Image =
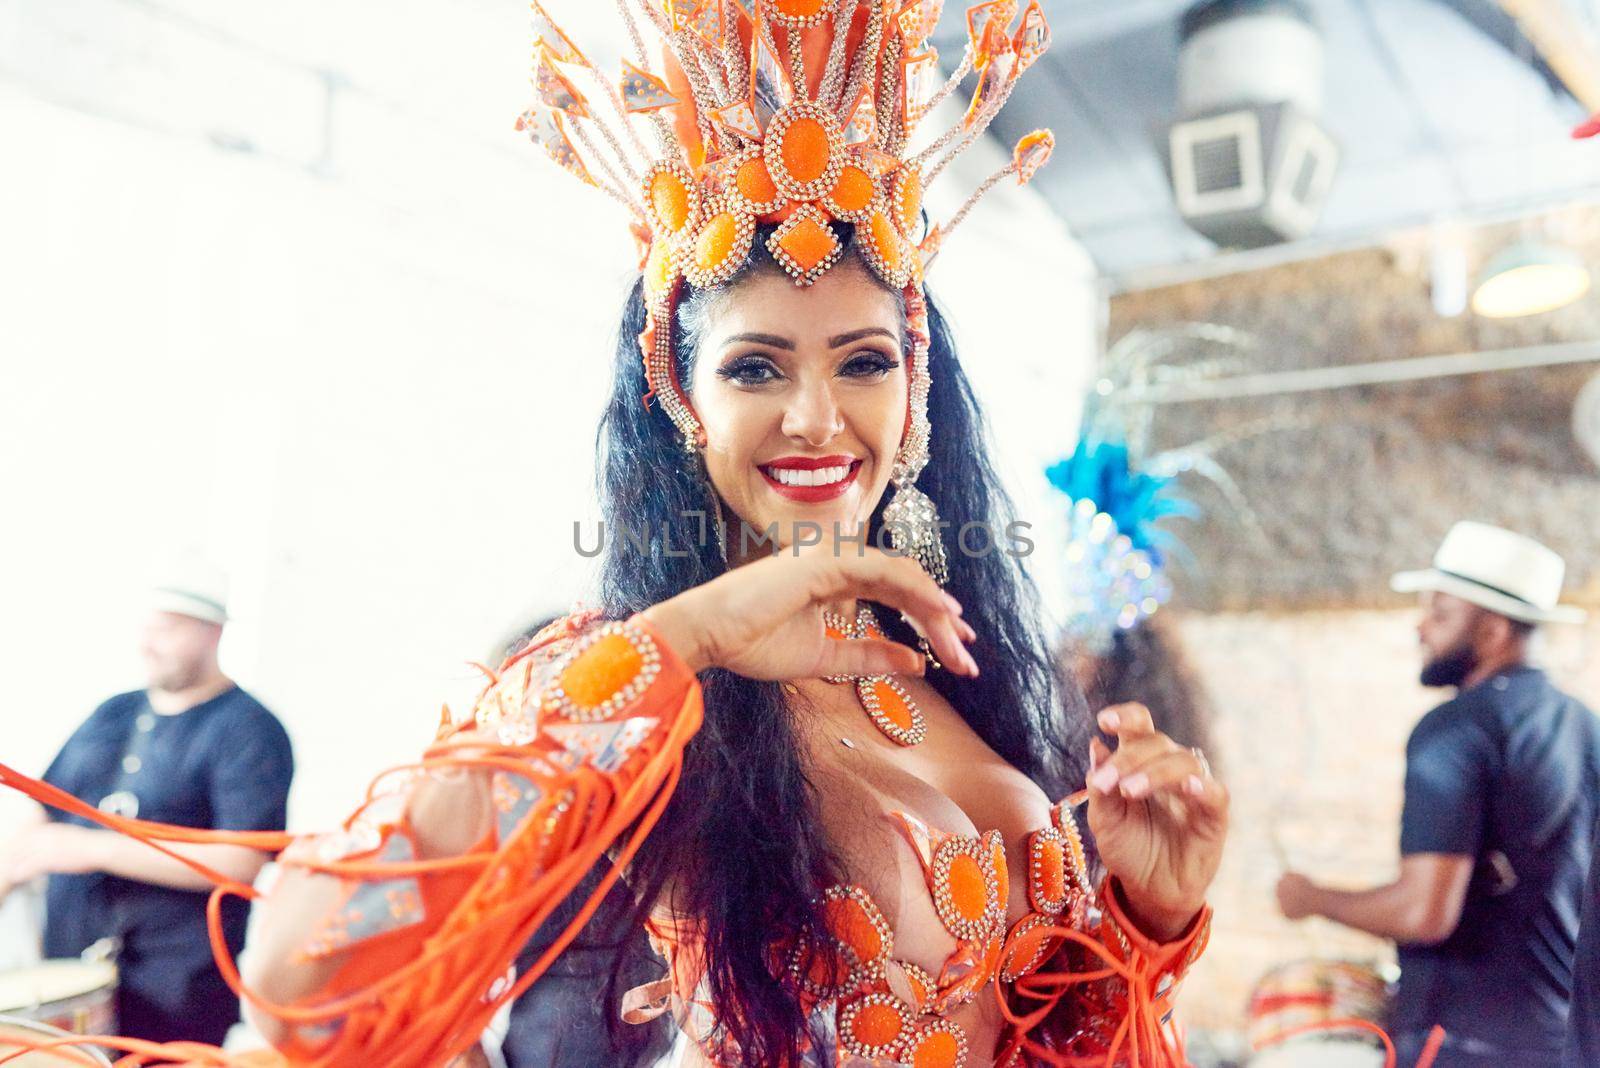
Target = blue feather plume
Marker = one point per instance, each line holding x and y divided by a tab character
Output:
1102	471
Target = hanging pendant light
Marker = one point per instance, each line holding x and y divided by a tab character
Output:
1529	278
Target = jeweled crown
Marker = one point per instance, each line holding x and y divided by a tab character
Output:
797	114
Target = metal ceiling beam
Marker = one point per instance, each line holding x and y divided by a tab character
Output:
1566	44
1343	376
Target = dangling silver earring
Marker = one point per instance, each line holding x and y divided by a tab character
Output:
911	517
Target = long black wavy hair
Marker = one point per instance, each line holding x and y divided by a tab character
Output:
740	846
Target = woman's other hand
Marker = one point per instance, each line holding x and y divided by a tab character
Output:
1159	819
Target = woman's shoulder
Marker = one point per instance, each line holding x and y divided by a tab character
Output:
554	639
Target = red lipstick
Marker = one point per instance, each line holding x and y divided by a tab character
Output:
809	494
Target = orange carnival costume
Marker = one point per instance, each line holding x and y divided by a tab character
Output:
797	114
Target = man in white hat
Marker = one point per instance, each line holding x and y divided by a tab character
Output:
192	748
1502	784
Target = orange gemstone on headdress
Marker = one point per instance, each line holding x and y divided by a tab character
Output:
604	668
808	243
1031	153
853	191
805	149
670	199
715	241
754	183
658	271
886	241
905	198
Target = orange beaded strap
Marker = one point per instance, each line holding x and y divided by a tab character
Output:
883	698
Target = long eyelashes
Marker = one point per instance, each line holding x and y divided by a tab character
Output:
869	366
753	371
748	371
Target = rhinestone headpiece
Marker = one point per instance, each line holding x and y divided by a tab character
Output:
794	113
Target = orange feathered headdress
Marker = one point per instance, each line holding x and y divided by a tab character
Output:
796	113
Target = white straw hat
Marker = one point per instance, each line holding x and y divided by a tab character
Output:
192	586
1506	572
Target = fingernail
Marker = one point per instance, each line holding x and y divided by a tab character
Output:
1110	721
955	605
1136	785
1194	785
1104	778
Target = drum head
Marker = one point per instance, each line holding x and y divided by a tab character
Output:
23	990
18	1034
1310	1052
1307	993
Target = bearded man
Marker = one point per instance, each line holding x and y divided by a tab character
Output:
1501	792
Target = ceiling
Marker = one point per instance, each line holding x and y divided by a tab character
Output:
1441	108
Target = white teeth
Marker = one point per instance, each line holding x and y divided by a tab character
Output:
822	476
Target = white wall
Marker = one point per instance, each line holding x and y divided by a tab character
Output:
351	342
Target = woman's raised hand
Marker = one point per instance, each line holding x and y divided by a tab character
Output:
1159	819
763	620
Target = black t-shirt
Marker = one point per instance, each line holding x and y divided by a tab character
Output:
224	764
1583	1023
1508	773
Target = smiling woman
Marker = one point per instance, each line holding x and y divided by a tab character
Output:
844	849
802	392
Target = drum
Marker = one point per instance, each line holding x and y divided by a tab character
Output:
73	995
18	1034
1309	992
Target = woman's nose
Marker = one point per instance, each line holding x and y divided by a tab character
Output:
814	415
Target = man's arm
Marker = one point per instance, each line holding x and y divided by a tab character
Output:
65	848
1422	907
10	875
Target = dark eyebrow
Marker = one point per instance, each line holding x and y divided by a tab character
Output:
839	340
771	340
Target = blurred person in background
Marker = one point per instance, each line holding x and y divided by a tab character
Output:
1148	665
1502	784
193	749
559	1022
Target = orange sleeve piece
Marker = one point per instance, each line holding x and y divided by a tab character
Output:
1105	999
578	742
